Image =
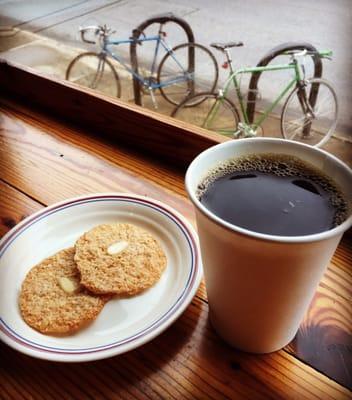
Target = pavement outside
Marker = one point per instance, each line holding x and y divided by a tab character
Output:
43	35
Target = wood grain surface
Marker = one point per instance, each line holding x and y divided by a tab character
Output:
15	206
43	161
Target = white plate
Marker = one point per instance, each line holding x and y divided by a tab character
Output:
123	324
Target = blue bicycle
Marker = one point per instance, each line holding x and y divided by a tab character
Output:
183	71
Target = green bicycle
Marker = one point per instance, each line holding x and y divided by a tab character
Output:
306	118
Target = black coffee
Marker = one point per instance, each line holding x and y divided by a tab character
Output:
273	194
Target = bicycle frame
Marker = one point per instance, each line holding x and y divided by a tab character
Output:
159	42
233	80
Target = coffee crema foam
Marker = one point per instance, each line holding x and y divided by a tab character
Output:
280	165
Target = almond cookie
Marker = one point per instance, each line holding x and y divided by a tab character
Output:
52	300
119	258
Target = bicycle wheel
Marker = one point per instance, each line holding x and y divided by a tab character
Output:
218	114
177	77
93	70
313	126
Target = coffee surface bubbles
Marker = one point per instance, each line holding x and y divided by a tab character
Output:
273	194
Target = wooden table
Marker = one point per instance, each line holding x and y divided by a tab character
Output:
44	160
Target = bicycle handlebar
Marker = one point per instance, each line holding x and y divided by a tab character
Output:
325	54
84	30
98	30
104	31
301	53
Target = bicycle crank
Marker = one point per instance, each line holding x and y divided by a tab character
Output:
246	131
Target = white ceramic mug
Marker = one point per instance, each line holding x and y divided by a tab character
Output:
259	286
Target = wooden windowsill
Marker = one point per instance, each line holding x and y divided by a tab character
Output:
131	125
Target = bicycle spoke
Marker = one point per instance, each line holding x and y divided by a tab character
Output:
91	70
322	105
210	115
174	70
78	78
226	132
217	115
299	129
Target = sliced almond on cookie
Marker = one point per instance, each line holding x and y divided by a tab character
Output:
68	285
117	247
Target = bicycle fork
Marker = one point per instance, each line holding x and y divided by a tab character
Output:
100	71
307	109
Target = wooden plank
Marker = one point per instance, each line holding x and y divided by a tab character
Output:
15	206
324	339
14	115
134	126
26	148
33	154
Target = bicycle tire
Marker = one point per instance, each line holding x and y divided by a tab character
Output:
80	71
225	121
322	126
169	69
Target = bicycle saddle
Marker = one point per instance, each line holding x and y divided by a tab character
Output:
224	46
